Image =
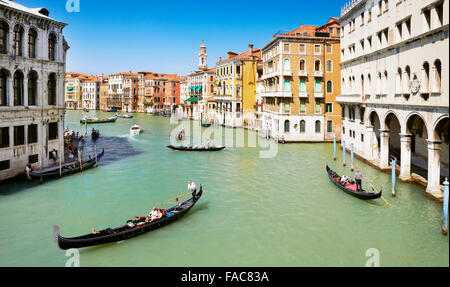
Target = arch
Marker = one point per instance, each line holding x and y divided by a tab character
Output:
329	66
438	73
51	89
18	39
32	88
287	126
411	119
4	32
302	65
18	88
329	87
287	64
318	127
390	115
317	65
4	75
373	119
52	40
32	42
302	126
441	128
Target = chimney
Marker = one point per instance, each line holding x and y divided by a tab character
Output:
301	25
250	50
229	54
220	59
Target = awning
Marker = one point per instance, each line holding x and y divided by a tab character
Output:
69	88
199	88
192	100
191	88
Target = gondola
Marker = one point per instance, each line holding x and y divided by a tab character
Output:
206	125
350	188
66	169
124	116
95	134
132	229
183	148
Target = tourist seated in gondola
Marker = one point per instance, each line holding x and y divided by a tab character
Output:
344	179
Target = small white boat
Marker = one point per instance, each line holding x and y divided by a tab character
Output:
136	129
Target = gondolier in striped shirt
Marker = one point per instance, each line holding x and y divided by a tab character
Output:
358	179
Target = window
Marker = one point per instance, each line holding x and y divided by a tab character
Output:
53	131
51	85
302	106
52	47
318	107
362	137
302	85
4	29
4	165
32	89
329	66
33	159
329	107
18	88
317	65
369	41
286	126
437	71
369	16
316	49
287	85
3	92
286	48
439	13
32	36
4	137
302	126
302	49
318	86
19	135
386	5
362	18
18	40
329	87
329	126
32	134
318	128
329	48
287	65
425	87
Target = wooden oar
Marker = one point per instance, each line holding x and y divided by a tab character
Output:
374	189
175	198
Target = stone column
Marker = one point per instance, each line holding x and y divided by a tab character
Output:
25	91
384	149
405	157
368	146
434	166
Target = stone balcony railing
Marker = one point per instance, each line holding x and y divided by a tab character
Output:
277	94
303	94
303	73
271	75
318	74
318	95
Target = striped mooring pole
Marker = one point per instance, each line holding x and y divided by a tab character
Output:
445	225
393	177
334	141
351	155
344	150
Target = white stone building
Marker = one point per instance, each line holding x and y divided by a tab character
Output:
32	73
395	89
91	94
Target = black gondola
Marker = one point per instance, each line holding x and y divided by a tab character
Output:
66	169
351	188
124	232
95	134
184	148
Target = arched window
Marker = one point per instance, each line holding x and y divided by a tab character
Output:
32	88
329	87
52	47
287	125
4	29
437	76
18	88
317	65
406	81
302	65
384	83
287	64
302	126
329	66
3	91
51	86
318	128
398	82
32	38
18	40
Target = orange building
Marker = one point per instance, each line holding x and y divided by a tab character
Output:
301	78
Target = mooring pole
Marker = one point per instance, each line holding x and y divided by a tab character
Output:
60	165
96	159
40	165
445	226
80	156
343	149
351	154
334	142
393	177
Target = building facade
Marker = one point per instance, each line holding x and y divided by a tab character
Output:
32	73
301	78
395	97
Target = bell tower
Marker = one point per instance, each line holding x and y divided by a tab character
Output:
202	56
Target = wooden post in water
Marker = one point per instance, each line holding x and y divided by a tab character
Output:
351	155
445	225
344	150
393	177
85	127
60	165
40	165
95	153
80	156
334	141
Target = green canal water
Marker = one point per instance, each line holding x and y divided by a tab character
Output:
279	211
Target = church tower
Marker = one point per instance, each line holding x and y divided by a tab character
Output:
202	65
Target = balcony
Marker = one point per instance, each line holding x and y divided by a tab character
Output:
303	73
318	95
318	74
303	94
271	75
276	94
287	73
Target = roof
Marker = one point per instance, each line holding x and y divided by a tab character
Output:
32	11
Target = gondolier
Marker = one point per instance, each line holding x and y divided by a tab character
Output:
358	180
192	188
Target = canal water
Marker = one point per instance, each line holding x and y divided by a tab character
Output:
255	211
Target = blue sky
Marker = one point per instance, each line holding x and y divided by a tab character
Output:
164	36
